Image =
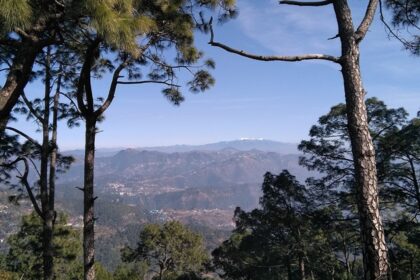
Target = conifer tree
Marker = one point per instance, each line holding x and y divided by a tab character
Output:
46	113
363	150
150	28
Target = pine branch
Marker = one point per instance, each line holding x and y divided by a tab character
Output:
24	180
291	58
31	108
307	4
29	138
148	82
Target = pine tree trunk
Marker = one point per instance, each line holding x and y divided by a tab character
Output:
53	165
301	268
47	245
372	232
16	80
415	182
88	211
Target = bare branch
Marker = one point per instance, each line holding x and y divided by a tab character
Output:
72	102
31	108
24	180
33	141
148	82
367	20
307	4
24	34
391	31
35	167
291	58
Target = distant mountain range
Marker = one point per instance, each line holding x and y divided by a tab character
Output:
243	144
220	175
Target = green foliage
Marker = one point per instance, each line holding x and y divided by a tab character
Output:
102	273
313	231
328	151
118	23
15	14
404	249
279	240
396	141
131	271
25	253
406	14
169	249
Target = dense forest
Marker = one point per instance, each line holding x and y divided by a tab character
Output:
355	217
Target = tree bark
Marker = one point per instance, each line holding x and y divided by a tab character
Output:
16	79
372	232
47	245
88	211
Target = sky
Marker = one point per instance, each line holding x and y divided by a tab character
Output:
251	99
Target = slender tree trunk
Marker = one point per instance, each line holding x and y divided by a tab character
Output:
372	232
346	258
301	267
16	80
88	211
48	217
51	216
54	149
415	182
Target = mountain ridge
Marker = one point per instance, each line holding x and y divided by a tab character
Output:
242	144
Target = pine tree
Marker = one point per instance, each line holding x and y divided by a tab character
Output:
371	228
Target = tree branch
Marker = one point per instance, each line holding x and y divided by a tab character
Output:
367	20
391	31
24	181
31	108
112	89
307	4
148	82
85	76
29	138
292	58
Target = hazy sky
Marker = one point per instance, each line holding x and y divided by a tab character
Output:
272	100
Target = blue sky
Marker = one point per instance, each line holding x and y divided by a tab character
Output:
272	100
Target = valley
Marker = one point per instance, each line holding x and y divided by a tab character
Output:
197	185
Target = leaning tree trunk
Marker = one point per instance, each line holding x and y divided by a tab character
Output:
16	80
372	233
88	211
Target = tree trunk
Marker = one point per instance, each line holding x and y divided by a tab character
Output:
301	268
54	149
47	245
372	232
53	165
415	182
88	211
16	80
